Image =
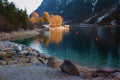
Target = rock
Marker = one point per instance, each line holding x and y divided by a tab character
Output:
34	60
108	70
104	72
7	49
53	62
7	43
2	53
18	48
25	48
83	75
11	52
70	68
42	60
116	75
12	62
44	56
9	61
8	55
100	78
2	62
100	74
25	60
34	53
22	52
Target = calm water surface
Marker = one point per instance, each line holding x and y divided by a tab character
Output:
93	47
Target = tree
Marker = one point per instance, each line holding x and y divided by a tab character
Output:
55	21
34	18
46	16
14	17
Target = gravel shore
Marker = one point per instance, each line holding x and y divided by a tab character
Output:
34	72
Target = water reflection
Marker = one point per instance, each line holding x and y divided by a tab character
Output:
52	36
96	47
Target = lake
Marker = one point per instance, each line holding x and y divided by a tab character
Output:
96	47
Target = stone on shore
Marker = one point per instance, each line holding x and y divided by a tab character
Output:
7	55
2	53
70	68
24	60
18	48
44	56
115	76
105	72
22	52
53	62
33	53
34	60
2	62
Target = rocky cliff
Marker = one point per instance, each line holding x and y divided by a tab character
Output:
77	10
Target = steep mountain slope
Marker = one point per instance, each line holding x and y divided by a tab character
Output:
75	9
109	17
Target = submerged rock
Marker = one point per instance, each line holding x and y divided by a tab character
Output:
70	68
53	62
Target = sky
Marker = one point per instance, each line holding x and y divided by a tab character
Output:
30	5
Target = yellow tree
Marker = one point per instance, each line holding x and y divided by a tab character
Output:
55	21
46	16
34	18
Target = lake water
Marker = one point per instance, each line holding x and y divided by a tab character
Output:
93	47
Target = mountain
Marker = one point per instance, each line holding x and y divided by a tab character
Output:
76	10
108	17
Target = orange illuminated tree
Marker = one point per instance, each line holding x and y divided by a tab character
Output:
55	21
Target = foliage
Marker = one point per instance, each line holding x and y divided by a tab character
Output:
15	17
34	18
46	16
55	21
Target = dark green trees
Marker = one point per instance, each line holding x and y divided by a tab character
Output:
15	17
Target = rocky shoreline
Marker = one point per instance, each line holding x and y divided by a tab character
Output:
18	34
12	54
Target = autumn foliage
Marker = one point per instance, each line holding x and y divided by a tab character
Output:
53	20
34	18
46	16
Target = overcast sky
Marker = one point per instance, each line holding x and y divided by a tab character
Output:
30	5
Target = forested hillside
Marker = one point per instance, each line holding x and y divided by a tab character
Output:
12	18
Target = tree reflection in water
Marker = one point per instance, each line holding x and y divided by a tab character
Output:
52	36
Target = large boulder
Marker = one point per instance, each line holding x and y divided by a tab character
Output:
53	62
70	68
